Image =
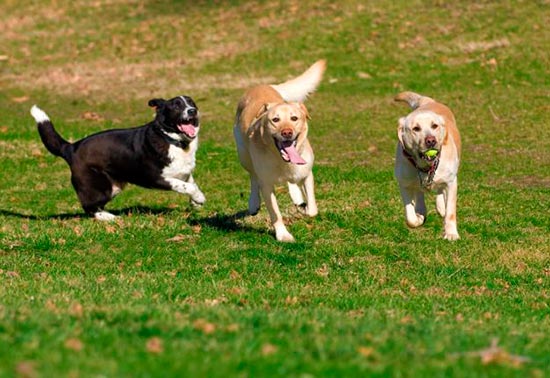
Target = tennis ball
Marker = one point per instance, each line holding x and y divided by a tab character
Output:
431	153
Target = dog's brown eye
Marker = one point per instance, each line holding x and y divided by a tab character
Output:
294	118
276	119
416	128
435	126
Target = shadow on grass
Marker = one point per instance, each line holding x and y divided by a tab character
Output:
226	222
64	216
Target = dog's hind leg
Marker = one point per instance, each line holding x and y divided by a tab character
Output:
94	190
451	232
311	209
440	201
296	195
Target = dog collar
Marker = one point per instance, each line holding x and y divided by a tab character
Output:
183	144
425	175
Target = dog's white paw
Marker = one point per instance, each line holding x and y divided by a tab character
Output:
312	211
451	236
417	221
304	209
104	216
283	235
198	198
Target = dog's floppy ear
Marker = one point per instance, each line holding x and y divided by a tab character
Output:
400	129
157	103
440	121
263	110
304	110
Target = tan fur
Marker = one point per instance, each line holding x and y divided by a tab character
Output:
429	119
264	119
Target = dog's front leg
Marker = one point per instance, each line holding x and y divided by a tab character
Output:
254	199
195	203
409	196
281	233
451	232
189	188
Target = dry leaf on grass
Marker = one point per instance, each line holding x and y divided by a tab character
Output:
92	116
204	326
474	46
496	355
234	327
154	345
76	310
366	351
20	99
100	279
268	349
74	344
323	271
291	300
363	75
26	369
234	275
177	238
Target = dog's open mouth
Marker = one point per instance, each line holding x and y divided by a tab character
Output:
188	127
288	151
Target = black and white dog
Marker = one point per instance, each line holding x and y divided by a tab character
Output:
160	154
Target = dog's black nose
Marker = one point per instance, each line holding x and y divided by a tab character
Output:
192	112
430	141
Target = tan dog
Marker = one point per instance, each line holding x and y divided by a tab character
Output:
271	134
431	126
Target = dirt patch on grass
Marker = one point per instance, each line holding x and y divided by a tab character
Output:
104	79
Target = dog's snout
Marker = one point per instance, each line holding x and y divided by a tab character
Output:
430	141
192	112
287	133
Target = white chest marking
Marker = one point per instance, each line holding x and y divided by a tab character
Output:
182	162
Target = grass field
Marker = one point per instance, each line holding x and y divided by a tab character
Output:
170	292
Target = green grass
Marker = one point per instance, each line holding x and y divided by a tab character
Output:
167	291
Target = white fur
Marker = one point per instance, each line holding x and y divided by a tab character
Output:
179	172
104	216
174	136
116	190
39	115
444	183
267	169
299	88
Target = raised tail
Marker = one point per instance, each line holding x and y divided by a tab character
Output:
300	87
414	100
51	139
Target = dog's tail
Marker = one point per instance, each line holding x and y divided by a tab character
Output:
300	87
414	100
51	139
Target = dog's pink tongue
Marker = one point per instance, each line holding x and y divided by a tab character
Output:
293	155
187	129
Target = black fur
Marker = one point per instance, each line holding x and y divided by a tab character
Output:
119	156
